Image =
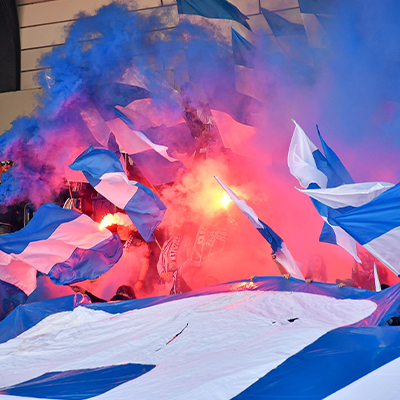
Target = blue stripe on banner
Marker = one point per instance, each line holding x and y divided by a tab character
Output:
374	218
318	370
148	211
43	224
78	384
97	162
28	315
87	263
10	298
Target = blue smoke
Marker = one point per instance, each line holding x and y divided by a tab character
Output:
99	50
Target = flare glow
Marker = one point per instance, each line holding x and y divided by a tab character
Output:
225	200
115	219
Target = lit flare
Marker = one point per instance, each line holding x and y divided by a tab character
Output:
225	200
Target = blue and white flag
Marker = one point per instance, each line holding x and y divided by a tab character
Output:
376	226
152	159
313	171
310	166
259	339
105	173
282	253
64	244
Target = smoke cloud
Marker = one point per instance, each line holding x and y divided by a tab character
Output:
349	85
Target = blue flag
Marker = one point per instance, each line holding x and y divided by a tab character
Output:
220	9
243	50
281	26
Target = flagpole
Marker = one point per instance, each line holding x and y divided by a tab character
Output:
155	191
72	199
162	250
70	192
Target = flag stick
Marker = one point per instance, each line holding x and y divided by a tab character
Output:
70	191
155	191
162	250
72	200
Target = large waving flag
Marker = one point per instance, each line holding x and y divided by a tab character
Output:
64	244
376	226
314	171
282	253
220	9
156	348
105	173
